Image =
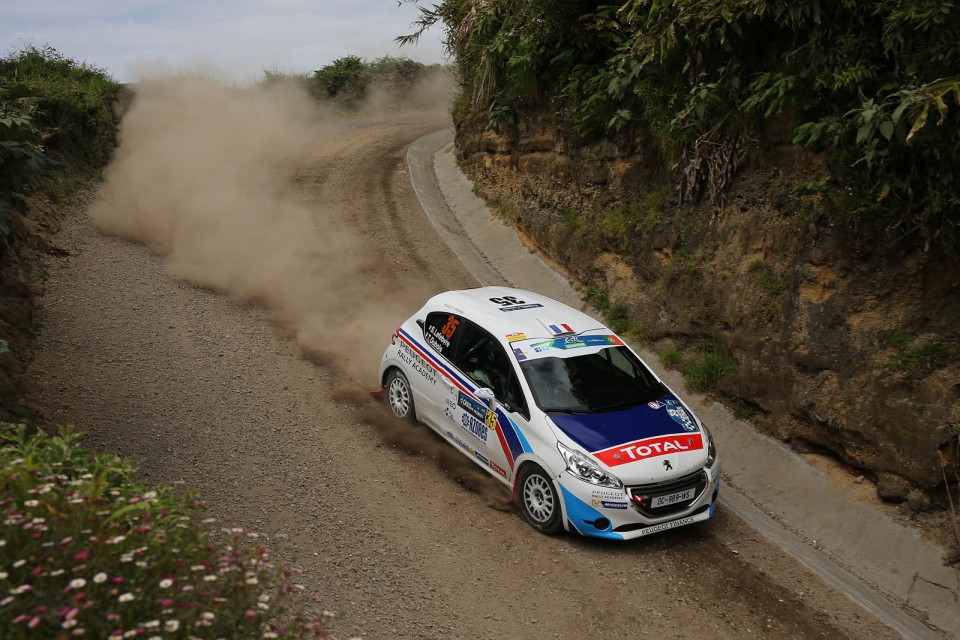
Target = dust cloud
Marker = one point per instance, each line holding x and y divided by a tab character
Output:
209	176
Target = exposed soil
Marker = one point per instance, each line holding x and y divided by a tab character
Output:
261	408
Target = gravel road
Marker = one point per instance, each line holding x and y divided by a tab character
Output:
257	402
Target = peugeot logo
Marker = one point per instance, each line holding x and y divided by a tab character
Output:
667	466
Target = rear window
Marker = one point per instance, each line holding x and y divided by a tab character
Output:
442	332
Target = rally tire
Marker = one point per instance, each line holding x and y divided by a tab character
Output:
399	396
539	501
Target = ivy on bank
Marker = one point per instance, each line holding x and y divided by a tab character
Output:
700	82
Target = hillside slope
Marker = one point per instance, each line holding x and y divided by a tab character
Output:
843	342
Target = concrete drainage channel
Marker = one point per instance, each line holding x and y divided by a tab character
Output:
886	567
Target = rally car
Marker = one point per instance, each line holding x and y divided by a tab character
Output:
552	403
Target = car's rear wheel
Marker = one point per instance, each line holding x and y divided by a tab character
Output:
400	396
538	500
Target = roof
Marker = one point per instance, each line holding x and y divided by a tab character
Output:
515	315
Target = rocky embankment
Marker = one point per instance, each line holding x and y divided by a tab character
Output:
833	337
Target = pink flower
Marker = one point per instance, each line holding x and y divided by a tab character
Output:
80	556
113	617
67	540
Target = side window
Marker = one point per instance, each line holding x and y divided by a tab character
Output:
442	332
483	359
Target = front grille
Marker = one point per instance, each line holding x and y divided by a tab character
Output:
641	496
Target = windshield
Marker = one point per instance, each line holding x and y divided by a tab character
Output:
609	380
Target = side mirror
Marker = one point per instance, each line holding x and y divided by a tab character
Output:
486	395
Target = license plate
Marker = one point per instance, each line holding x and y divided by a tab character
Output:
673	498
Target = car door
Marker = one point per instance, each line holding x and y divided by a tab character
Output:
483	360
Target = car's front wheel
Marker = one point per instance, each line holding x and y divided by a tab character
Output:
538	500
400	396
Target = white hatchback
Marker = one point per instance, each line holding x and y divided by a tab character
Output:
553	404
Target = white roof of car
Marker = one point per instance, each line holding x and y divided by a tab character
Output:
517	316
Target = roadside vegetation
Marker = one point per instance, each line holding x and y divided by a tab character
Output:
85	550
350	80
703	86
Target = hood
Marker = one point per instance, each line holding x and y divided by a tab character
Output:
657	441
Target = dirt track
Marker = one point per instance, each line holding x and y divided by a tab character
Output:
202	388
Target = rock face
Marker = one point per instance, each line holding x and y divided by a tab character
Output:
841	339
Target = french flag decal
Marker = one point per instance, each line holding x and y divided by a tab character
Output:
557	329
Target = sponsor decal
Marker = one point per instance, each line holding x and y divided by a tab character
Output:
606	494
418	364
608	505
649	448
576	342
668	525
472	406
656	404
518	352
459	441
440	339
667	466
516	335
498	468
482	458
521	307
680	416
474	427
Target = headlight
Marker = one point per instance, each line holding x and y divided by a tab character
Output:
711	448
581	467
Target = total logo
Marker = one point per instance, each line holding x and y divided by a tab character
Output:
649	448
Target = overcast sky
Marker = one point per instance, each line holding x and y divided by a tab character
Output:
238	38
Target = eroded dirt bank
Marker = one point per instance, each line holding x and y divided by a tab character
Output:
157	359
839	340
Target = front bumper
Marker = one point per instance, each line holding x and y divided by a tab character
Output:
616	514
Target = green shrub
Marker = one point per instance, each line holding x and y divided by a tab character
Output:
87	551
671	356
75	103
766	280
704	372
599	297
618	319
921	357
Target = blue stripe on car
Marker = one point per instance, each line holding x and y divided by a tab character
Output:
523	440
583	515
